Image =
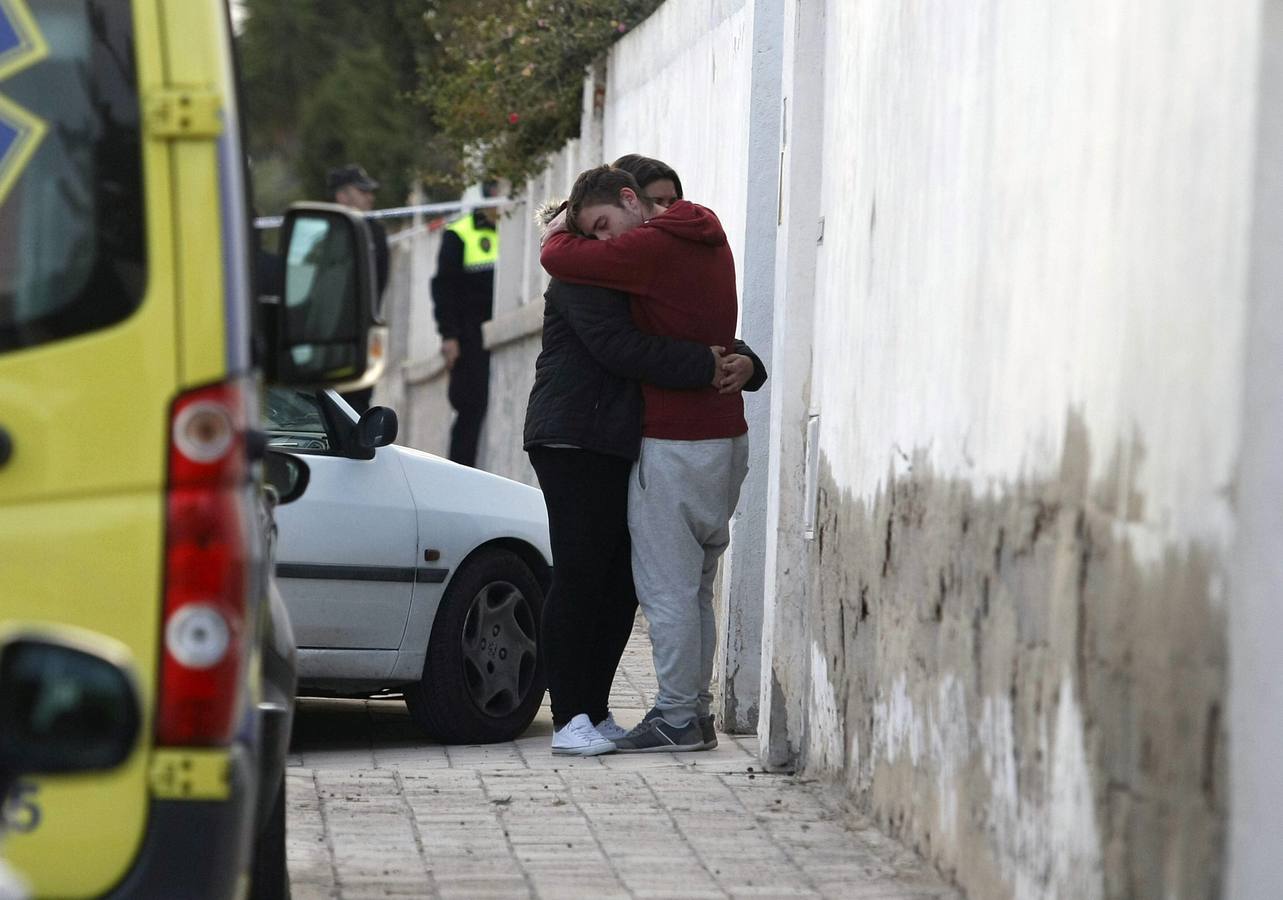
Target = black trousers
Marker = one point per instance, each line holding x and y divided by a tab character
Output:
588	613
469	392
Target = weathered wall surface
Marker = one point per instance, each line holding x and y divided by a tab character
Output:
1016	694
1029	314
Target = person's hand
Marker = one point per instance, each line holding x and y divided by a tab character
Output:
555	225
717	363
734	372
450	350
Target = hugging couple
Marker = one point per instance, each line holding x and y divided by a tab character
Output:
636	430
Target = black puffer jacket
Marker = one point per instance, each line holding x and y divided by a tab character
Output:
586	391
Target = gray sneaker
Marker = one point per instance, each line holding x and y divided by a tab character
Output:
609	728
654	735
707	731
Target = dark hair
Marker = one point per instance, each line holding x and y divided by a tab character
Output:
599	185
645	170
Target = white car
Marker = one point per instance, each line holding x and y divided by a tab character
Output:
403	571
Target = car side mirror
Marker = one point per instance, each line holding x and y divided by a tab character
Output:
68	703
327	330
377	427
286	474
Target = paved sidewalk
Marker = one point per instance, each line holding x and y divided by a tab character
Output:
381	811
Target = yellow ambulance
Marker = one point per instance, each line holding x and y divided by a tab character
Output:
68	703
133	351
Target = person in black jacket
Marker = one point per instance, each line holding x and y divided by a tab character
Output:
583	432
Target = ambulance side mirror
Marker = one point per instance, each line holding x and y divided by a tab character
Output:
326	330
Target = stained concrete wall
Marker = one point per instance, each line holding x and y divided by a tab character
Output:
1029	317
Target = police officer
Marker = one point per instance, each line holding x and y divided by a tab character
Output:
463	298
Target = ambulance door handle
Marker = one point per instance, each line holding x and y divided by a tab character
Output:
6	446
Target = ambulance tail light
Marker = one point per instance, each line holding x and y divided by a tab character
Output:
206	567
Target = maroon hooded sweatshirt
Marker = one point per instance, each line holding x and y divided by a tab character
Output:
678	270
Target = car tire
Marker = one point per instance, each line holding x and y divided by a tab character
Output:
270	879
483	679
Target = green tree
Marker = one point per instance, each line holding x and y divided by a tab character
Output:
284	48
347	116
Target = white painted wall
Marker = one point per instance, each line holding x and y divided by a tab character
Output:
785	664
1031	210
741	596
677	89
1256	640
414	382
1033	207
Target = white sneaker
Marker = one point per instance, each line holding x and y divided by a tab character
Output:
610	729
579	738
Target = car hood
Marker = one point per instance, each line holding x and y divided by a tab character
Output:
487	505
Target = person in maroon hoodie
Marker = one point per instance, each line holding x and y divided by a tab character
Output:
676	266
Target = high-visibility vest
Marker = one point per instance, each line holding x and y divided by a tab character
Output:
480	245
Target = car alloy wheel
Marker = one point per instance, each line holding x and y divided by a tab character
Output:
499	651
482	677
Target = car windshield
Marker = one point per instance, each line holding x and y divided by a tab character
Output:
71	197
294	419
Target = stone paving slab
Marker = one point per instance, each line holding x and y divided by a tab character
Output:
375	809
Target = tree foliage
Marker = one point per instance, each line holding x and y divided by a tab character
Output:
329	82
507	89
438	93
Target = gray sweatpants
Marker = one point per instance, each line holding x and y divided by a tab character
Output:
680	503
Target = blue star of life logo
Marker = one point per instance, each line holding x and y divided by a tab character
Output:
21	45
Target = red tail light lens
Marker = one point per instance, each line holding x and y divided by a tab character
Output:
206	567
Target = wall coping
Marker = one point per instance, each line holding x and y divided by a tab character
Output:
523	322
419	371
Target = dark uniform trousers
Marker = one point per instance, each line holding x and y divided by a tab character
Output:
469	393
